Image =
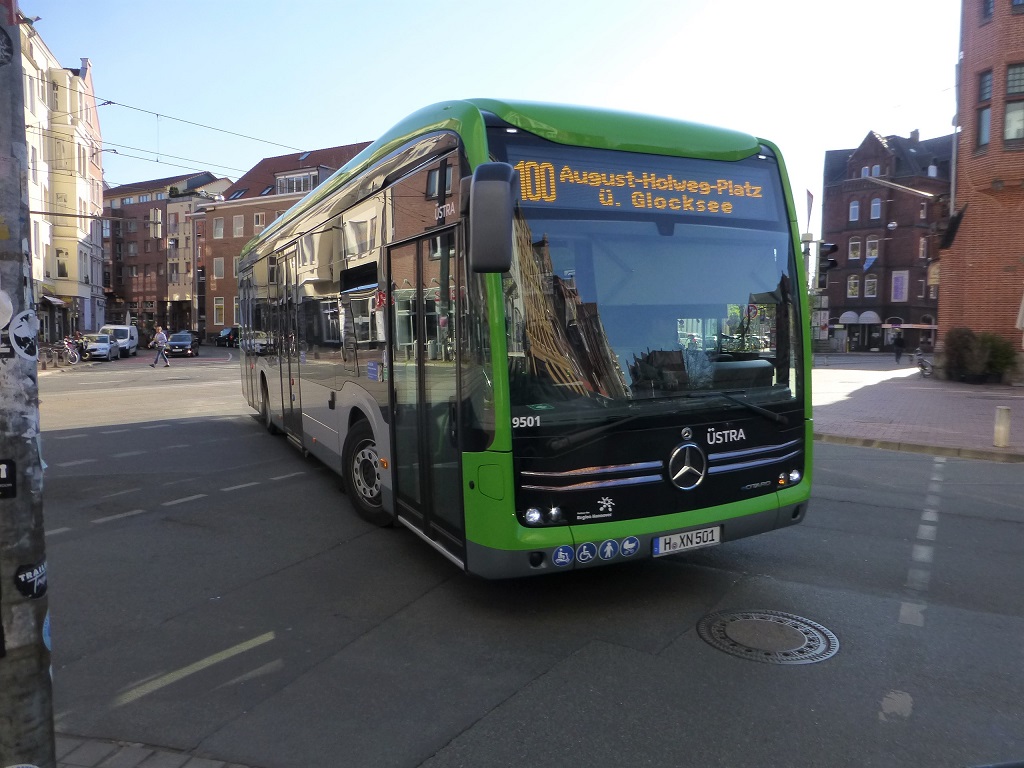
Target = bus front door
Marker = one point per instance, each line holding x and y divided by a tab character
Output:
426	457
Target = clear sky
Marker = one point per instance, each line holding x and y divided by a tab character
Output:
810	75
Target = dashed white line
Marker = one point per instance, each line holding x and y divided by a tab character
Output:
76	463
182	500
926	532
120	493
118	517
285	477
114	431
127	453
70	437
155	426
922	553
236	487
55	531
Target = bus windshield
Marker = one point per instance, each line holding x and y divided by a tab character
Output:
654	297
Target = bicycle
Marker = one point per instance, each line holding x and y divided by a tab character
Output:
924	367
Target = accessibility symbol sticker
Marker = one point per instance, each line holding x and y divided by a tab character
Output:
609	549
562	556
630	546
586	552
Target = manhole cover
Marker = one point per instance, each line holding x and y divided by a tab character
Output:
769	636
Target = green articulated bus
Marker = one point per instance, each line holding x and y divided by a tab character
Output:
543	337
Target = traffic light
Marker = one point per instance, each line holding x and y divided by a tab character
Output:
825	263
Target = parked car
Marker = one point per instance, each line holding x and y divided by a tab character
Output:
101	346
127	338
182	343
227	338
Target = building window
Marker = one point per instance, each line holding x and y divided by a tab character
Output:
1017	6
876	208
218	310
924	211
237	226
864	172
872	249
235	266
297	183
259	221
218	268
127	200
876	170
218	229
871	286
988	8
854	210
922	248
1013	125
237	315
854	252
984	108
853	287
143	198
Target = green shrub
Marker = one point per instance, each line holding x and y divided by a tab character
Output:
1000	354
963	353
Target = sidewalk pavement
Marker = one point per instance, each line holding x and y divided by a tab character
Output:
863	399
867	399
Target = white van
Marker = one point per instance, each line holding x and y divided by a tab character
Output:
127	338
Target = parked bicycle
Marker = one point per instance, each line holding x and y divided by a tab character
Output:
64	350
925	367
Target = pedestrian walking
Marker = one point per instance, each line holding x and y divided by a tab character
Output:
160	341
898	345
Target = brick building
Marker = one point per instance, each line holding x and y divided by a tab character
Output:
265	192
982	275
884	202
151	252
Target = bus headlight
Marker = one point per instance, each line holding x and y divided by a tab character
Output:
554	515
533	516
794	476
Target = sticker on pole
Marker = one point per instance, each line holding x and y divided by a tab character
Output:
31	580
8	479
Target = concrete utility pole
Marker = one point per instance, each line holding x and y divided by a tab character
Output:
26	696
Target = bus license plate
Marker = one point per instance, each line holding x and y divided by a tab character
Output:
679	542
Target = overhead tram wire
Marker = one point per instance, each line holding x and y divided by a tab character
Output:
103	102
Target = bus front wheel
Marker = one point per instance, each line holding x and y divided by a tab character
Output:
361	474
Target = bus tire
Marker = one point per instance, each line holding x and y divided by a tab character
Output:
268	422
361	474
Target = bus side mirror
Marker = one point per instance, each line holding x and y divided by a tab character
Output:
491	200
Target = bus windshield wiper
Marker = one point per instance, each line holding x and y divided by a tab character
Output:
778	418
575	438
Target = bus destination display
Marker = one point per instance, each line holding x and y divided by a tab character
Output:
594	179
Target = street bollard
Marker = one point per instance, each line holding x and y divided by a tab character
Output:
1002	436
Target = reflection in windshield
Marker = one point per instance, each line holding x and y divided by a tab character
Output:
623	310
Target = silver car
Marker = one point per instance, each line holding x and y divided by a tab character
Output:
101	346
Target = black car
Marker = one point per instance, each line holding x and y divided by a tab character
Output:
182	343
227	338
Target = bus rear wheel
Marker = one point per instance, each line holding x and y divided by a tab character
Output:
361	474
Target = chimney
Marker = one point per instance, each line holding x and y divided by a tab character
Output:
915	136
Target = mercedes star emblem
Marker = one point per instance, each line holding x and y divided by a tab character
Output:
687	466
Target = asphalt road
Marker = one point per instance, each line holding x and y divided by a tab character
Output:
212	591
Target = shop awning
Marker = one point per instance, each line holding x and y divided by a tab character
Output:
55	301
849	318
869	318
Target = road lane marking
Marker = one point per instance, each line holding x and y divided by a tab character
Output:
155	426
183	500
922	553
180	445
912	613
127	453
930	516
120	493
172	677
236	487
113	431
76	463
918	578
285	477
70	437
55	531
926	532
118	517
